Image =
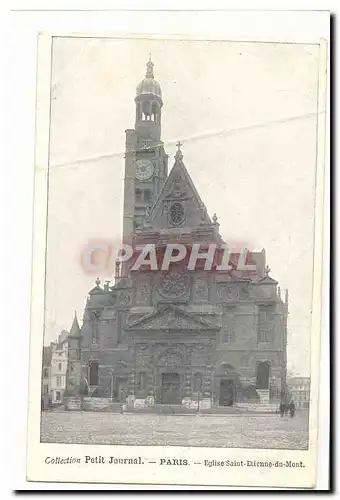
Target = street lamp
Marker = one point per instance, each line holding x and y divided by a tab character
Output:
111	385
199	389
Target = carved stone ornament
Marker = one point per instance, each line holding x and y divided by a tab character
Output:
201	292
231	292
142	347
143	293
173	285
124	299
170	359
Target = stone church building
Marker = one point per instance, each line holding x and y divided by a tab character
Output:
178	335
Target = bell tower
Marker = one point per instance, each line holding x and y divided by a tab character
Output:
146	163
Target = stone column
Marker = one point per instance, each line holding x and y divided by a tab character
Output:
206	392
206	385
131	383
187	384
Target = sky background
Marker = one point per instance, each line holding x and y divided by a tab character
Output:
246	114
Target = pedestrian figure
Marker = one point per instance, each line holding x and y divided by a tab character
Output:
292	409
282	409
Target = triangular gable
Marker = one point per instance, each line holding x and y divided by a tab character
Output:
169	317
96	289
268	280
178	204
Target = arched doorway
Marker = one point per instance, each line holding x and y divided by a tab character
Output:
171	388
227	392
262	376
227	385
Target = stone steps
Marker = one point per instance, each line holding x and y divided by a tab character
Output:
258	407
91	404
160	409
103	404
73	404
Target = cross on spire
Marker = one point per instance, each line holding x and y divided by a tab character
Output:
179	155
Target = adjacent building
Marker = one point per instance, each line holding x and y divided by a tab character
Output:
299	391
59	356
170	335
46	377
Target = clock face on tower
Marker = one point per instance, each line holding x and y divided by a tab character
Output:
144	169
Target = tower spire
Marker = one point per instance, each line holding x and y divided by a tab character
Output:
75	329
149	68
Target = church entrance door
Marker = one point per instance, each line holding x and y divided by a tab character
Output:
226	392
121	384
262	378
171	388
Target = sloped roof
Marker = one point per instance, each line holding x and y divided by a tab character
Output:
47	355
75	329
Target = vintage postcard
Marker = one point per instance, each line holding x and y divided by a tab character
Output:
176	307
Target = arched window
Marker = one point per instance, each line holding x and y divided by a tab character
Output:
142	380
227	367
147	195
139	111
154	112
94	372
262	375
147	110
197	383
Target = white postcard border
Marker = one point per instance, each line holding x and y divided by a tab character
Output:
38	470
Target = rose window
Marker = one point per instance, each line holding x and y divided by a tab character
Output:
176	213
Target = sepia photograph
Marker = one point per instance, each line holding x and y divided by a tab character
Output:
177	260
180	243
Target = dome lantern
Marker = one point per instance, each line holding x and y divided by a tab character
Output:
149	86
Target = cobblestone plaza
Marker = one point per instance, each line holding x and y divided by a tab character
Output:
229	431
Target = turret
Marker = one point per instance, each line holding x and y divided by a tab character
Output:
148	106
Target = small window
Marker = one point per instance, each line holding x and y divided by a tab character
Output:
45	389
147	195
57	395
229	336
59	366
138	195
142	380
197	382
58	381
45	372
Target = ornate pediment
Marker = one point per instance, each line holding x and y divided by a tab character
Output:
179	204
170	318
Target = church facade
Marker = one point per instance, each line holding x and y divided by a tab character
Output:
173	335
